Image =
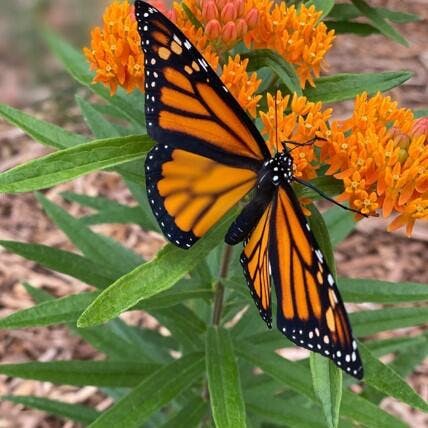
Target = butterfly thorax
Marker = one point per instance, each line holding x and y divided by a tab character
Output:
277	170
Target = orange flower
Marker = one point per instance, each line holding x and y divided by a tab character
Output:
304	121
115	52
297	35
381	154
241	85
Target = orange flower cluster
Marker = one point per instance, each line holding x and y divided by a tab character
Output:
295	34
115	52
241	85
303	121
382	157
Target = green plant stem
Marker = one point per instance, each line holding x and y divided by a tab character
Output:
219	287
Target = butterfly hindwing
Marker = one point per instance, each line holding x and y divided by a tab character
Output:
189	192
255	262
310	311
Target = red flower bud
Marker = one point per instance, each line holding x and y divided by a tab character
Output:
229	32
213	29
209	10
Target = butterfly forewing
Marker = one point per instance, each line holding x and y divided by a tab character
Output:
310	311
208	150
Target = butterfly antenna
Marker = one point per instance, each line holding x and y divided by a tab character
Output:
276	122
325	196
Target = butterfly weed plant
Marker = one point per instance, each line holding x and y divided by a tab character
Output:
220	366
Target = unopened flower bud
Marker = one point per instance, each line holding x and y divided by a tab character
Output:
213	29
252	18
229	32
420	127
229	13
241	27
209	10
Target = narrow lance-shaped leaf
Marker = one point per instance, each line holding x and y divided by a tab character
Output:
153	393
97	123
71	163
297	378
75	412
370	290
373	321
76	266
115	258
169	266
227	404
62	310
386	380
341	87
44	132
82	373
379	22
326	377
260	58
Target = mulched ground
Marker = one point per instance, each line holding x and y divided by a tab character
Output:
370	252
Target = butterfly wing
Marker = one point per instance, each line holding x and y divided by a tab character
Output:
208	151
255	261
310	310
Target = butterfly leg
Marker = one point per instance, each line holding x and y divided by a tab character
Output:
325	196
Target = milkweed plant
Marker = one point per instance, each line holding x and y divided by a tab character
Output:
219	365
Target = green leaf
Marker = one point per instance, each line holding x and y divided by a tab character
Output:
421	113
169	266
298	412
116	339
259	58
190	416
224	384
297	378
184	325
346	86
81	373
97	123
324	5
340	223
101	249
371	290
379	22
344	11
394	344
327	383
75	412
78	67
73	162
71	264
110	211
369	322
153	393
409	358
386	380
41	131
346	27
58	311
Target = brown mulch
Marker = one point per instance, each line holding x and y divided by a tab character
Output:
369	253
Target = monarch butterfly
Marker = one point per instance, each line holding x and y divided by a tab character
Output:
208	156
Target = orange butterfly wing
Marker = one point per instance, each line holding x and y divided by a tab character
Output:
310	310
208	152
